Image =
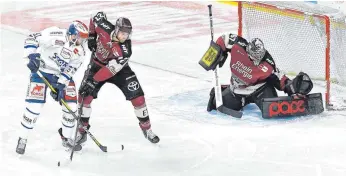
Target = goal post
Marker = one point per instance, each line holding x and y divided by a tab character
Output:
301	37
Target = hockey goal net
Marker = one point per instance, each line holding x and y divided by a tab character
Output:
302	37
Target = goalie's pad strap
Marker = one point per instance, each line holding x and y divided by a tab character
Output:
286	106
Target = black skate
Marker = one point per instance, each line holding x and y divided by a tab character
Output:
68	143
148	133
20	149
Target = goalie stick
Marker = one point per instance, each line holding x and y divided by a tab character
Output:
217	85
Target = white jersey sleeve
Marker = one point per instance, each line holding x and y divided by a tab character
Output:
58	55
41	39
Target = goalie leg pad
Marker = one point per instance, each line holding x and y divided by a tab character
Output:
230	100
286	106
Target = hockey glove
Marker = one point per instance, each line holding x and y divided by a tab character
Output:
92	42
34	62
88	88
60	93
300	85
100	16
223	58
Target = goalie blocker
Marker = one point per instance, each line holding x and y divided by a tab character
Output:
287	106
212	57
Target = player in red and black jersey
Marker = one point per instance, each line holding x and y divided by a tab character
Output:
111	50
254	76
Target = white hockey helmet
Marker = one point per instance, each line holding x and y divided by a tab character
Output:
77	32
256	50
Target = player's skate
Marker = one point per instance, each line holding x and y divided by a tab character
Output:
20	149
148	133
68	143
82	135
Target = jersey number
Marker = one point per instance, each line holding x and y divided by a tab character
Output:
35	35
100	16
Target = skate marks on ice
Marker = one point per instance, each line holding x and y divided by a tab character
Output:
174	155
192	106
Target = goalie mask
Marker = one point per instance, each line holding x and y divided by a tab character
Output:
256	50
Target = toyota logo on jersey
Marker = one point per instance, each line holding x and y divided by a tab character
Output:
132	86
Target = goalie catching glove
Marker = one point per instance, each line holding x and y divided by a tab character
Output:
300	85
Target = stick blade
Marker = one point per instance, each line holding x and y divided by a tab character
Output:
231	112
103	148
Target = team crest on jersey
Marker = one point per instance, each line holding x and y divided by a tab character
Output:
36	91
66	53
59	62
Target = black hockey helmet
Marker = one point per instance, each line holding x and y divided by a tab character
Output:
123	24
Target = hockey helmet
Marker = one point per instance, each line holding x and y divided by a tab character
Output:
123	25
256	50
77	32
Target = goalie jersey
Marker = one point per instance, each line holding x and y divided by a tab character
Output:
247	75
58	56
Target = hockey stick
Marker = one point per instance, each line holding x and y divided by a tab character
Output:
217	85
80	112
103	148
54	91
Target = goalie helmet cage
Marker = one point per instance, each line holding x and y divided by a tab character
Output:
301	37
